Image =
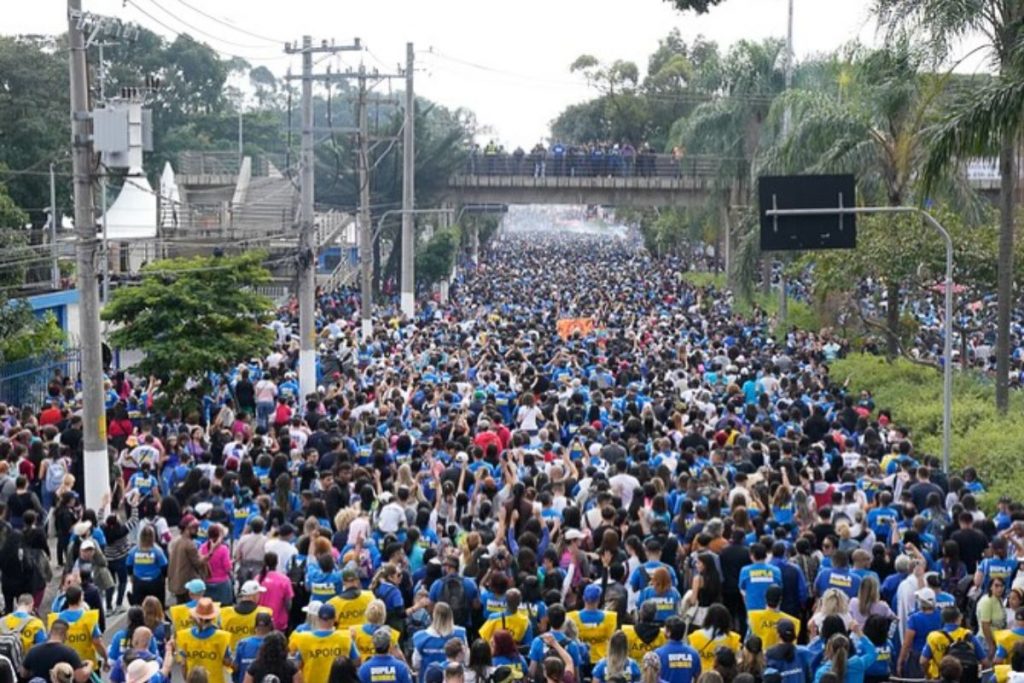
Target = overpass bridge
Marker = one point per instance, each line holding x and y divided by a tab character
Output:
646	180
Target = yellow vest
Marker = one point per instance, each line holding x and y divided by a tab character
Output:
318	653
240	625
80	633
208	653
596	634
762	624
516	624
364	640
939	643
181	616
1006	639
706	647
1002	672
351	611
637	647
33	625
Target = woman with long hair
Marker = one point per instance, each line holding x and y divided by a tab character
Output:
376	613
480	664
504	652
991	612
617	661
840	660
752	658
343	670
705	587
650	668
716	633
661	591
272	660
385	587
833	603
156	621
868	602
278	593
428	644
214	552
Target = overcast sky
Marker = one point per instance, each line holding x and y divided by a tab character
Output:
506	61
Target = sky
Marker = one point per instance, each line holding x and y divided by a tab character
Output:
507	62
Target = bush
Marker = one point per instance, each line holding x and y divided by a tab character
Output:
982	438
801	313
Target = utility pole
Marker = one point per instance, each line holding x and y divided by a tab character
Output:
306	289
102	73
96	462
786	123
409	190
365	226
55	267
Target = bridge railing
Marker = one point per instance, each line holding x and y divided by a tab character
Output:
590	166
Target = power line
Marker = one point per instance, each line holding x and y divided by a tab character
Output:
230	25
176	32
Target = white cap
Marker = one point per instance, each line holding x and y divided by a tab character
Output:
88	544
251	587
925	595
313	607
203	508
573	535
461	456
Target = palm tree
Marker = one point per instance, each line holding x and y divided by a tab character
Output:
988	120
868	121
730	126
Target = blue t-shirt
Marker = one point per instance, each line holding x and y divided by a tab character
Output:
430	647
993	567
322	585
680	663
666	603
843	579
923	623
538	647
245	655
384	669
641	576
146	565
755	579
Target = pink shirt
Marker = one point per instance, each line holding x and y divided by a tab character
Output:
279	590
220	562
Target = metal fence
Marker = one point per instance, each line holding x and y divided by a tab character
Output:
643	165
25	382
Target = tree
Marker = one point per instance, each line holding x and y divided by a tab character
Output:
435	259
698	6
986	121
193	316
872	125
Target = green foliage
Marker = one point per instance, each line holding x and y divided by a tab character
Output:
13	239
435	259
981	437
191	316
23	335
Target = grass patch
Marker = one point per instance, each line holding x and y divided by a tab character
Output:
982	438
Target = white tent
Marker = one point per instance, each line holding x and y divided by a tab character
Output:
132	216
170	198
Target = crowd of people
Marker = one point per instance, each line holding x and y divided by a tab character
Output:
595	160
669	494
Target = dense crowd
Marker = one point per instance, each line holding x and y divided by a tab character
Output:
595	160
672	494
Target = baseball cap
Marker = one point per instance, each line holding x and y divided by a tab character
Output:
251	587
327	613
592	593
573	535
784	628
925	595
196	586
187	521
381	637
88	544
313	607
349	575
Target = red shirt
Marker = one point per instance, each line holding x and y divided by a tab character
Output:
282	415
484	439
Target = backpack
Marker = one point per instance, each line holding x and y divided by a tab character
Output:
962	650
453	592
10	644
55	474
297	571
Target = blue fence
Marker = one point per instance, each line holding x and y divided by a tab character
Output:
25	382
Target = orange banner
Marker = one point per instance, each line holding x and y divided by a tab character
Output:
567	327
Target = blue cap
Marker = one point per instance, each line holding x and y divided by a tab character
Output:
592	593
327	612
196	586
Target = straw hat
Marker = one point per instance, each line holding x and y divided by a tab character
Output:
205	610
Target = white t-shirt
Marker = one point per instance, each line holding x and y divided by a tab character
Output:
624	485
527	417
